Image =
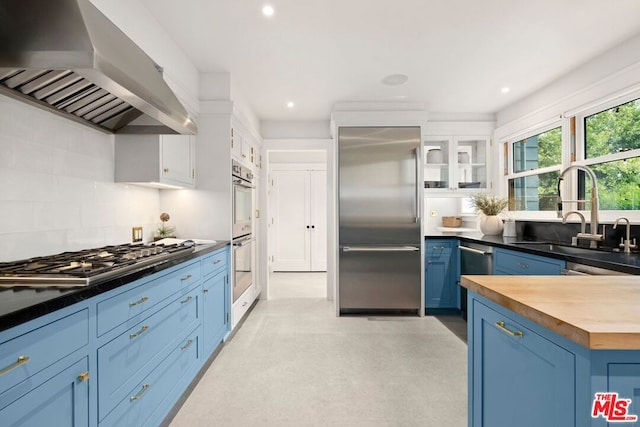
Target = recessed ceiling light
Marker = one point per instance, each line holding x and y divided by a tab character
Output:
290	104
267	10
505	90
395	79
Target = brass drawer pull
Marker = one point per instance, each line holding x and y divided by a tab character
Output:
187	277
84	377
140	301
205	290
189	298
218	261
521	265
142	330
187	345
145	387
504	329
21	361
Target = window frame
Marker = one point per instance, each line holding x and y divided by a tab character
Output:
537	130
580	142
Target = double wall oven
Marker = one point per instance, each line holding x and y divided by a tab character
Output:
243	240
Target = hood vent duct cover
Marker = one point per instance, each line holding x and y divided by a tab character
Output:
67	56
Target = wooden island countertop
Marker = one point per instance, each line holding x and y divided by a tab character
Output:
596	312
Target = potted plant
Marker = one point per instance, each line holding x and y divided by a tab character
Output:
489	206
165	229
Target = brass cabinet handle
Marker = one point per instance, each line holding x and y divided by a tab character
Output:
187	277
504	329
21	361
218	261
145	387
140	301
189	298
84	377
205	290
165	170
187	345
521	265
142	330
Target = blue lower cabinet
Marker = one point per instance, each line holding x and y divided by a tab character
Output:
519	377
441	287
60	401
215	318
122	358
143	403
123	361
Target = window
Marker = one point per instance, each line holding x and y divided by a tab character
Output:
538	151
612	151
534	170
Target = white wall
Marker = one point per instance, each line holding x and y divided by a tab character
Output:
56	187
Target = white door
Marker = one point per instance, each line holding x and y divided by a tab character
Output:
299	219
318	211
290	220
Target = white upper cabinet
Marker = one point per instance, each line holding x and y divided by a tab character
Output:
156	160
244	149
456	163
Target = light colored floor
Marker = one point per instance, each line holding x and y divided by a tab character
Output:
294	363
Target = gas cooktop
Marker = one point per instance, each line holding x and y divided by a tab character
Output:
89	266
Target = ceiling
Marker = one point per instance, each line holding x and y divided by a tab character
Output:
457	54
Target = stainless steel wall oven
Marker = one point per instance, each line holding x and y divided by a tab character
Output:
242	199
243	241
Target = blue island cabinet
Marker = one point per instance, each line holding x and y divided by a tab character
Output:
522	374
441	284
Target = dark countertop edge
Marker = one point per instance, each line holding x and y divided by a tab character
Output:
499	241
75	295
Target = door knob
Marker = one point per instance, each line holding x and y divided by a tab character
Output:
313	226
308	226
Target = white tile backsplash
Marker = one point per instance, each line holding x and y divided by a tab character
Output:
56	187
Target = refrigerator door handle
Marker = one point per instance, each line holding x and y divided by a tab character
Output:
380	249
416	152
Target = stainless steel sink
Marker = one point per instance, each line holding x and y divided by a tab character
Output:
561	249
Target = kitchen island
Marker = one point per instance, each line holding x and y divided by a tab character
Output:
540	348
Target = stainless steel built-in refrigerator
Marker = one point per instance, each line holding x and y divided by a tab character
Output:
379	220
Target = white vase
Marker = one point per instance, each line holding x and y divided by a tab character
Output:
491	225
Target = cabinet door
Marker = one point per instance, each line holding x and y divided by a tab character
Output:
516	380
436	163
63	400
214	316
177	158
236	143
441	289
470	158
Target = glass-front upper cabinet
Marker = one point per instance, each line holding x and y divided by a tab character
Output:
456	163
436	162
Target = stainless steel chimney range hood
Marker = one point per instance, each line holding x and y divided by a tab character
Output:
66	56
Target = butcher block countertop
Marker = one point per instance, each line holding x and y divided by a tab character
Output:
596	312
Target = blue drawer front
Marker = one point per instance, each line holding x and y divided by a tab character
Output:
525	264
43	347
215	262
123	361
127	306
143	400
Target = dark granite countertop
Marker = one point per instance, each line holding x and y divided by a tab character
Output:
19	305
618	261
